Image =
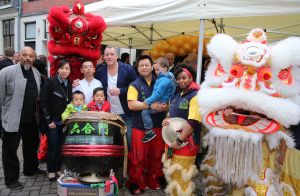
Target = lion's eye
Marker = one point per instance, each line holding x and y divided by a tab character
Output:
285	76
219	70
252	51
264	74
236	71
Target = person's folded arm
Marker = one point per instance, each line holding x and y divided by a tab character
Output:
137	105
134	104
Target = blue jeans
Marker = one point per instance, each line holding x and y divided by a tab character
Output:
147	120
55	141
128	122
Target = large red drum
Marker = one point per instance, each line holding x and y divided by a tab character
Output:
95	142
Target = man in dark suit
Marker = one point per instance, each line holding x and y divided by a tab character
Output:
115	77
8	56
19	91
171	59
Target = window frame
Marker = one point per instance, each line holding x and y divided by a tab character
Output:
2	5
7	32
30	38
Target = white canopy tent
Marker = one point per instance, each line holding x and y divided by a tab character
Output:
133	12
140	23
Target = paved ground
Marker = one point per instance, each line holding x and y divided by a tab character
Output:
40	185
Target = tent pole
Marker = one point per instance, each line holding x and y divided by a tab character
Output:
130	47
222	26
151	33
200	51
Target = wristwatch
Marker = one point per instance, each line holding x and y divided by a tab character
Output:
179	141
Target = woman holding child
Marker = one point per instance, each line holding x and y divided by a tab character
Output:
179	167
55	95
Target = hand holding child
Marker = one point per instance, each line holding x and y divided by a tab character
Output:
159	106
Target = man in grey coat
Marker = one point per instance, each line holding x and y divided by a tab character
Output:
19	92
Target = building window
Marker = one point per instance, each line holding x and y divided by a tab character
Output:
46	31
8	33
5	3
30	31
30	34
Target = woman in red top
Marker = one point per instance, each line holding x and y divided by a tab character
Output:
99	103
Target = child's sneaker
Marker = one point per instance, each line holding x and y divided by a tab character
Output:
149	135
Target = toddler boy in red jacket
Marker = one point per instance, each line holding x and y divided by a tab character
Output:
99	103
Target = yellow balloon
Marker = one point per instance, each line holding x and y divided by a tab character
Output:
161	46
194	40
173	49
184	38
147	52
154	54
165	46
195	50
171	41
181	52
187	47
161	54
179	42
157	46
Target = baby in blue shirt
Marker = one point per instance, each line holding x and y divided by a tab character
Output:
164	89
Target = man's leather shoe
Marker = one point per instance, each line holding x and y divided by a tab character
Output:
38	172
15	186
52	177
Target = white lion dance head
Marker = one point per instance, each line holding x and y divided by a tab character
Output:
249	98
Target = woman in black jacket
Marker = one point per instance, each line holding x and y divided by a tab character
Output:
55	95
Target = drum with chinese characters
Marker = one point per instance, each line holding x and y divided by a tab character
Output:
95	143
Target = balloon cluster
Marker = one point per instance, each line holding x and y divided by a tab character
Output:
180	45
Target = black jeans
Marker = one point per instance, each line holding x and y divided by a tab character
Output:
55	141
30	142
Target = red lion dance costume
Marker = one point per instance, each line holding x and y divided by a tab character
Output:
75	36
248	100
